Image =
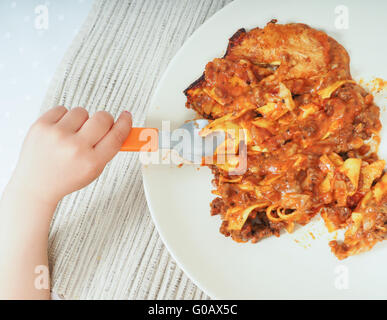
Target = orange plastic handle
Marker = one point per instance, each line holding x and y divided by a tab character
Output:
142	139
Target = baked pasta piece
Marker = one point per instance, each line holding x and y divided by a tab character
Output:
307	128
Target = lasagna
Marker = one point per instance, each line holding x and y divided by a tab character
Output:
310	133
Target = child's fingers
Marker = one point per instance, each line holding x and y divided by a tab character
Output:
73	120
53	115
109	146
96	127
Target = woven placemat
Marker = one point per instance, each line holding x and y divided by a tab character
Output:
103	243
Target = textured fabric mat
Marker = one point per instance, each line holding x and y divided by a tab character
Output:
103	244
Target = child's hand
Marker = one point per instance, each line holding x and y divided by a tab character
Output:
65	150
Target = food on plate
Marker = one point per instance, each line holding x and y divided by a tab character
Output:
311	135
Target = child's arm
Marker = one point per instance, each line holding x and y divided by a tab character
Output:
64	151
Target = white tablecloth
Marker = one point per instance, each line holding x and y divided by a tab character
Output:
103	244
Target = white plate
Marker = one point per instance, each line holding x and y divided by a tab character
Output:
179	198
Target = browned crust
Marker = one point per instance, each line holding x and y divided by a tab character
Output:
195	84
235	39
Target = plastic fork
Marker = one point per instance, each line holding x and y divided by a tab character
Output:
185	140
